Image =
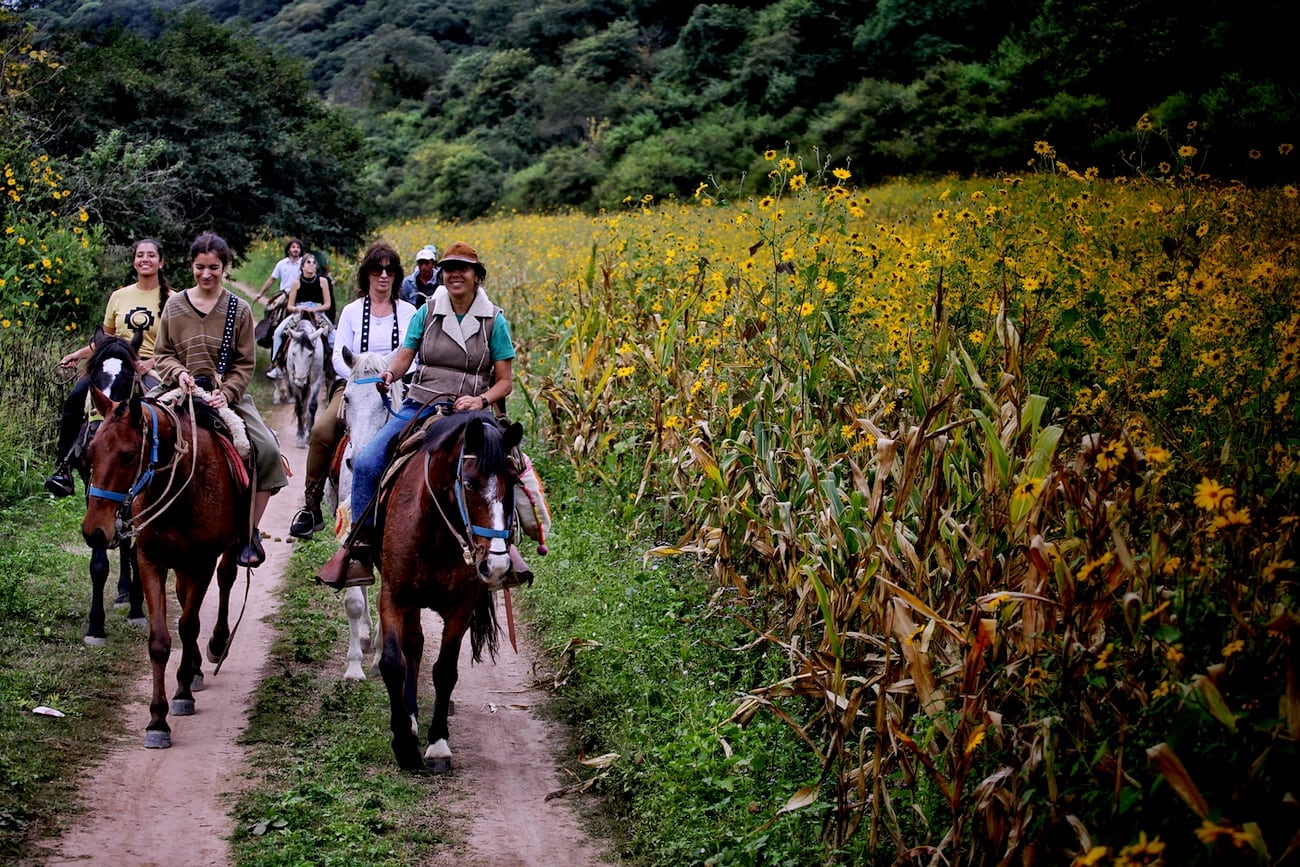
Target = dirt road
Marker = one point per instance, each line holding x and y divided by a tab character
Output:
170	807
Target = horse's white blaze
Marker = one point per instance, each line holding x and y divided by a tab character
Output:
439	749
112	367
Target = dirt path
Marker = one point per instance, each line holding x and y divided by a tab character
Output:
169	807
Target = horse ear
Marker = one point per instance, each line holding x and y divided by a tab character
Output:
474	436
348	358
134	408
103	403
514	436
98	337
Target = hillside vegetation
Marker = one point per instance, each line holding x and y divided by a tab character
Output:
473	104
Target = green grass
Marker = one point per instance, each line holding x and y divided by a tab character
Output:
327	790
44	594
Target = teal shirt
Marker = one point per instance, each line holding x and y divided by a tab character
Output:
503	348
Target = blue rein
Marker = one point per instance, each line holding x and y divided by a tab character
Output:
388	402
485	532
145	478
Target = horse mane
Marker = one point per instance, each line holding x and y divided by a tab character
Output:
492	456
368	364
111	346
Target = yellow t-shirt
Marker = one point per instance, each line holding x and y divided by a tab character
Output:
130	309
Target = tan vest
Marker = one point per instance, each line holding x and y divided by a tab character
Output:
448	369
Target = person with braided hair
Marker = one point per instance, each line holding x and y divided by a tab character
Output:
132	311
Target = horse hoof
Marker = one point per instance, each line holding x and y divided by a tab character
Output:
95	641
439	765
137	621
214	657
198	684
122	601
157	740
182	707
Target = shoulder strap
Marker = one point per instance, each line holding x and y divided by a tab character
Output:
227	337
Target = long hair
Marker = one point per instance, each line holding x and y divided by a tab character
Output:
376	253
211	242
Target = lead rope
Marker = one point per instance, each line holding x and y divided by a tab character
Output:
465	549
153	510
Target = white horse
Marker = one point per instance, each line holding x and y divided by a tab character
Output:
364	412
305	369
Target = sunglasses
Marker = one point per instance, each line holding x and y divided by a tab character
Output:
383	269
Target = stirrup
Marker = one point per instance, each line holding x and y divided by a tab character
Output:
253	554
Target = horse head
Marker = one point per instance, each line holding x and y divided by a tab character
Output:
468	455
117	459
111	367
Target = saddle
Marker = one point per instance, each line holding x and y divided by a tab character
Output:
225	423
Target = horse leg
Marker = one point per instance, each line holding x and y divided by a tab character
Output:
445	675
190	590
95	634
398	627
158	734
358	610
134	592
219	643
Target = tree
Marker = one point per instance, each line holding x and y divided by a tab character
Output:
251	148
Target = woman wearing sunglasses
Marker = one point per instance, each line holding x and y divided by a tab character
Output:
375	322
462	341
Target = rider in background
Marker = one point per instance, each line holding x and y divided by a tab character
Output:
462	341
287	270
310	292
420	284
132	309
374	322
206	340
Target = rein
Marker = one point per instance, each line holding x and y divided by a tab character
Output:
388	401
466	546
129	526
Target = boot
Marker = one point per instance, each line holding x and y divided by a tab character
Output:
253	554
353	565
309	518
60	483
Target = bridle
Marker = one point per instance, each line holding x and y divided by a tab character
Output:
128	526
469	550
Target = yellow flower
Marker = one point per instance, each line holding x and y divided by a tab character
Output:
625	371
765	203
1158	455
806	308
1174	654
1233	647
1042	147
769	155
787	164
1187	151
673	421
1210	495
1144	851
1285	148
1091	858
1254	153
798	182
976	738
1144	123
1111	456
842	174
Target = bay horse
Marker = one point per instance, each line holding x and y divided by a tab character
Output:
159	475
364	412
112	369
304	367
445	539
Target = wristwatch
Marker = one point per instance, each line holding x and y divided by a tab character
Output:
485	401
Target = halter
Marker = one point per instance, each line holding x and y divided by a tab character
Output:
126	526
466	546
388	401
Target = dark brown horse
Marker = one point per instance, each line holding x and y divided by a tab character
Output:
158	475
111	369
445	547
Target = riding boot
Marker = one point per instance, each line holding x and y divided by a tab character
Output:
353	565
60	483
309	518
253	554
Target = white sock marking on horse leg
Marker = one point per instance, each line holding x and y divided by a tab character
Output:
438	750
415	726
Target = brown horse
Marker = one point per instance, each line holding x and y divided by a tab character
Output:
445	547
158	475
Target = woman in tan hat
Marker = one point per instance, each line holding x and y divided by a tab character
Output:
466	355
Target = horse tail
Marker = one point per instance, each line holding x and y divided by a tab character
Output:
483	628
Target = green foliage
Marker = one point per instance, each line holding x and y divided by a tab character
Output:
43	593
228	133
